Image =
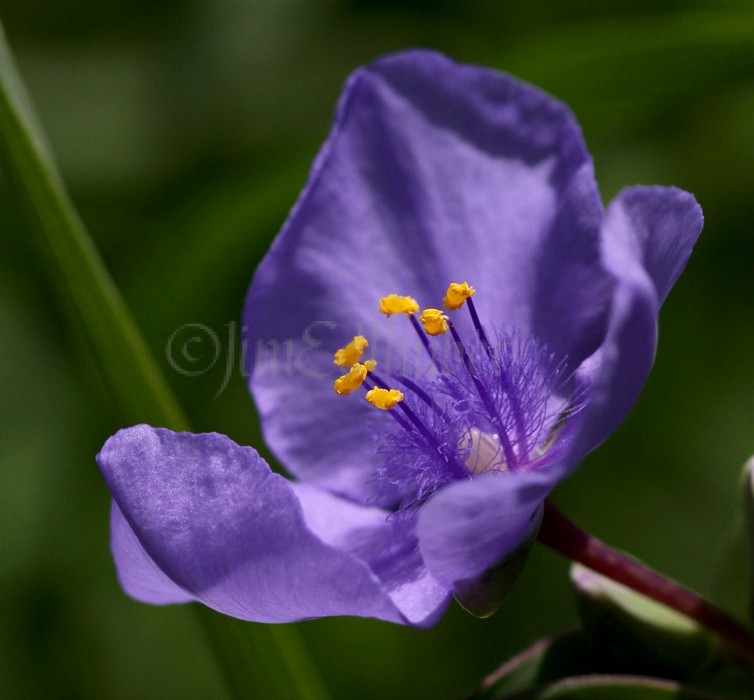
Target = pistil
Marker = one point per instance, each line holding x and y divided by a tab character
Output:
510	456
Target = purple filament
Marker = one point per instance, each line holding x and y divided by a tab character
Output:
425	341
479	329
505	442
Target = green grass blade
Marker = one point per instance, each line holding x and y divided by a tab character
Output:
130	373
121	355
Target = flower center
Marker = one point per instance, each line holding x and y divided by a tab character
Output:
485	452
484	406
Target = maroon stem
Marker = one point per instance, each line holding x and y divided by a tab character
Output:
559	533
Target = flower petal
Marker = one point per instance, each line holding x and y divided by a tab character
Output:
648	235
470	526
139	576
435	172
388	547
226	530
665	222
571	297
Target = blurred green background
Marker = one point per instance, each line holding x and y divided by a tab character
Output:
184	129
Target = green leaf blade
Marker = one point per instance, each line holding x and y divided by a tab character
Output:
255	660
599	687
97	309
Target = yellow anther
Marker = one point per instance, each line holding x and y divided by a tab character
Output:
370	365
434	321
384	399
395	304
456	295
353	380
352	353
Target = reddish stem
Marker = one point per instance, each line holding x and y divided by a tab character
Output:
559	533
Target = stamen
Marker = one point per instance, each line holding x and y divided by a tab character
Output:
457	294
384	399
394	414
435	322
423	395
510	457
423	429
516	410
479	330
354	379
352	353
395	304
500	411
425	342
430	438
461	347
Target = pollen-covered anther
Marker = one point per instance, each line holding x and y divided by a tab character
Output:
394	304
352	353
457	295
354	379
384	399
434	321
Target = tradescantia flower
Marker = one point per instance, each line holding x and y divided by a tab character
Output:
518	327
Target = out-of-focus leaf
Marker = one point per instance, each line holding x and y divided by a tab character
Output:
749	496
612	688
733	579
97	308
125	363
697	48
267	661
548	659
566	666
636	631
224	229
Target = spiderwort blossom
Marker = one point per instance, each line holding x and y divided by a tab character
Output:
518	327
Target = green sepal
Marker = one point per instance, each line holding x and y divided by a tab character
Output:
639	633
612	687
483	595
566	666
547	660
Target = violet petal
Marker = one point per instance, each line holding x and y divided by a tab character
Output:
470	526
226	530
434	172
648	235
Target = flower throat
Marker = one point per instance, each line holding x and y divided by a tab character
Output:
483	406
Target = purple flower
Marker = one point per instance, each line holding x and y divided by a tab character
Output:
435	173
